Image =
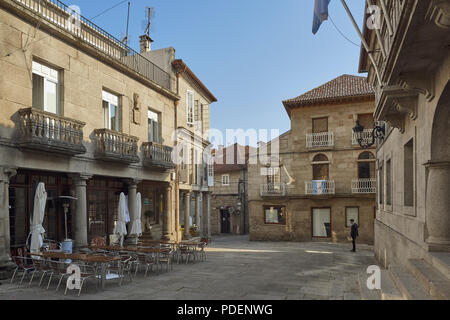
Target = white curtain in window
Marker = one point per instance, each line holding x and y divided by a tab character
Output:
352	213
320	217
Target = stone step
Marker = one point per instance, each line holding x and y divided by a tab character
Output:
433	281
407	284
366	293
441	262
389	291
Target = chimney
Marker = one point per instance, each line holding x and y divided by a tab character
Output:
146	43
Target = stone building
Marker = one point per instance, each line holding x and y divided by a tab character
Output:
309	182
229	202
91	118
412	89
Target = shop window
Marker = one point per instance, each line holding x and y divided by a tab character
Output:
321	222
351	213
275	215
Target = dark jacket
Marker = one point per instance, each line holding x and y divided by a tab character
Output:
354	232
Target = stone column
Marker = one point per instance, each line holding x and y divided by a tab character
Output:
437	206
208	214
187	209
81	227
6	174
167	218
132	192
198	210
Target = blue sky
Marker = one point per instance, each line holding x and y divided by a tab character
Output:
251	54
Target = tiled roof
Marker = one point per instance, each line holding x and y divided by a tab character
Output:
240	155
345	86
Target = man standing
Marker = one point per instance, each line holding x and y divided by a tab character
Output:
354	234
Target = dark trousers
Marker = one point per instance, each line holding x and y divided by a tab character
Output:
354	243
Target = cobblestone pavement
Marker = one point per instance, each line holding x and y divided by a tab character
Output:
237	269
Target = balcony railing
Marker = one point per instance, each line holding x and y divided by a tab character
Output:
115	146
320	187
59	15
158	156
45	131
273	190
366	137
319	140
364	186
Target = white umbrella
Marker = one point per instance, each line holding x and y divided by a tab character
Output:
121	228
136	229
37	230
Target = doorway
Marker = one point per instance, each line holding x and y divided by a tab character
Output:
225	221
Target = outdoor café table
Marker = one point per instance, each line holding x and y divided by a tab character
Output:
101	260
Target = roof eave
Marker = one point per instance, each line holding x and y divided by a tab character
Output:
181	67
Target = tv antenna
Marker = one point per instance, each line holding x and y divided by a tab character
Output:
125	39
149	14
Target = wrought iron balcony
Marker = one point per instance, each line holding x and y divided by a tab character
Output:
115	146
273	190
320	140
320	187
366	136
45	131
157	156
59	15
364	186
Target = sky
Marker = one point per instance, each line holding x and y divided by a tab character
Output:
251	54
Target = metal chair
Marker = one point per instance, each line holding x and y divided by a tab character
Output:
184	250
41	265
24	265
166	258
118	269
202	251
58	270
147	260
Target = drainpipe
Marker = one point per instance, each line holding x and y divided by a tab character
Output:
177	183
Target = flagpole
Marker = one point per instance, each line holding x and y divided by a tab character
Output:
363	42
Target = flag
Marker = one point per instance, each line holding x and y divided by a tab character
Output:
320	14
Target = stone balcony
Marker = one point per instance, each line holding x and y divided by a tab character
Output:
320	140
362	186
273	190
157	156
45	131
116	146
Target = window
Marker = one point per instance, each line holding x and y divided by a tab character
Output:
351	213
366	120
320	167
225	179
210	171
388	182
275	215
45	88
111	111
190	108
408	177
381	184
154	127
273	175
321	221
320	125
366	165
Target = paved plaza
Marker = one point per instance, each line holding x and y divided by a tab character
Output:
237	269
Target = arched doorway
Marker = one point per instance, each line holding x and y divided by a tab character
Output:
438	172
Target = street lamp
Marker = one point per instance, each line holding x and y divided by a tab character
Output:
377	133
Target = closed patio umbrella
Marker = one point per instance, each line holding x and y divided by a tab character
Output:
36	229
121	228
136	229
